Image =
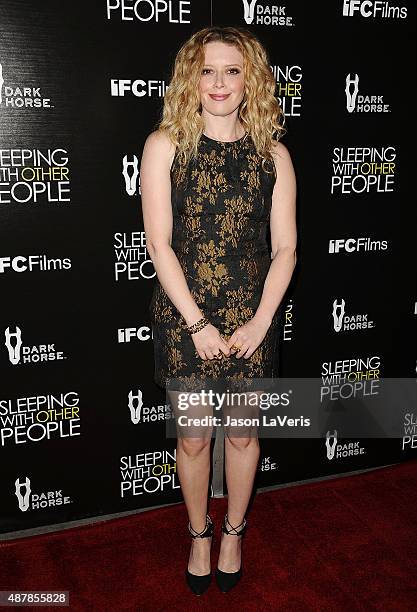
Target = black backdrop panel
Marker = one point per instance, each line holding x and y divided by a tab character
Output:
82	423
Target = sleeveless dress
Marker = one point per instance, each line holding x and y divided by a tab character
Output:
221	204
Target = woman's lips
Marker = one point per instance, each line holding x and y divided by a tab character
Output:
219	97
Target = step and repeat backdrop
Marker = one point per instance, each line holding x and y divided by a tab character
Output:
82	423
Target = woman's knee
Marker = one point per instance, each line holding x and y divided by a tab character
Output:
194	446
242	442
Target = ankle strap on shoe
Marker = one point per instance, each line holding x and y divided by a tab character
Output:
233	530
207	531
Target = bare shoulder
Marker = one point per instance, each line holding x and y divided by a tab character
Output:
282	160
158	138
280	151
159	147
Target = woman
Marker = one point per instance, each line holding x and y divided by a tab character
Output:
213	177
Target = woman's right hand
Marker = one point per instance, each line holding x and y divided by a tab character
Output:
209	342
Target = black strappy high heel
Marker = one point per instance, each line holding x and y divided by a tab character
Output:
199	584
227	580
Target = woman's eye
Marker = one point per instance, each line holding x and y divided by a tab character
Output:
234	70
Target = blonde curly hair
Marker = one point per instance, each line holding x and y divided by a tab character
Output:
259	111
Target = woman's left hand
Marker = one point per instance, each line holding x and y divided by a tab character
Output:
248	337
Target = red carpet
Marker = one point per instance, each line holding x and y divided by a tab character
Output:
344	544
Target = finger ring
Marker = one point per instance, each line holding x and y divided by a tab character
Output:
235	346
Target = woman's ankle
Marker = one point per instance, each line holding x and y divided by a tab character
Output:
199	558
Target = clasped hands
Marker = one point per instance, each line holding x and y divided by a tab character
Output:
244	341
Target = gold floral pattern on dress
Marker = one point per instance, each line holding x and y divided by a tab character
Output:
236	313
250	176
209	184
211	272
177	358
251	267
234	220
221	204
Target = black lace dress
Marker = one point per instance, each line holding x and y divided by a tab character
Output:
221	206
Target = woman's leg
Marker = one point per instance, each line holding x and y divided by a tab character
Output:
193	469
241	461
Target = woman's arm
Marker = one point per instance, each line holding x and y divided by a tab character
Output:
283	236
155	184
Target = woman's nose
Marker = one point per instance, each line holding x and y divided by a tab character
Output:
219	80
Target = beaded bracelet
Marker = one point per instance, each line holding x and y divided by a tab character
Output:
195	327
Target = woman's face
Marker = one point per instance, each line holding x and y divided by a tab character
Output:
222	84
